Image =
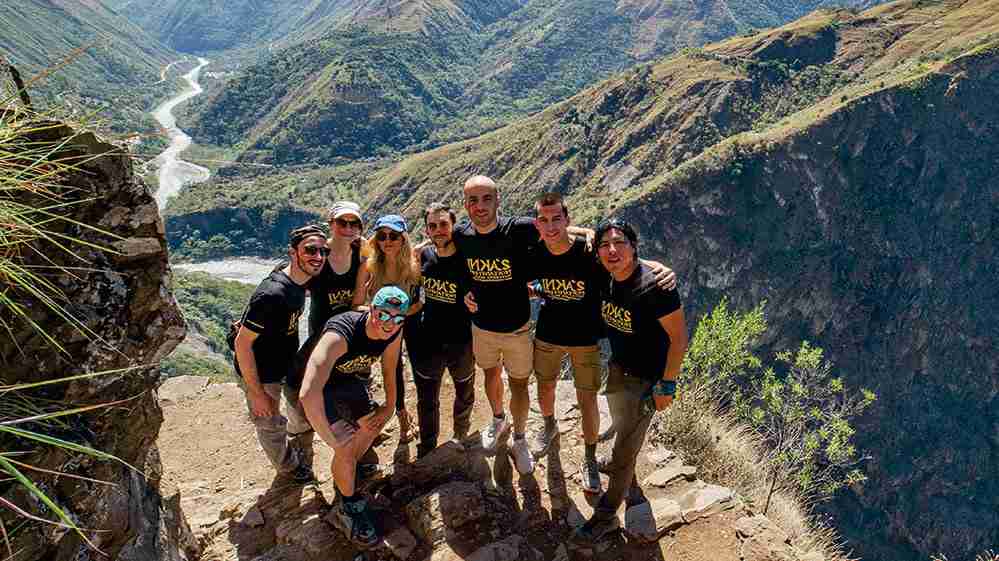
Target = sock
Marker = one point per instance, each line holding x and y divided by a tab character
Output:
499	416
518	436
550	424
591	452
351	500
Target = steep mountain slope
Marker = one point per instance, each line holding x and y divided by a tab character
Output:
843	168
378	82
114	66
399	75
197	26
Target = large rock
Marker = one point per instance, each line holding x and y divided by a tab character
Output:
123	299
447	507
705	499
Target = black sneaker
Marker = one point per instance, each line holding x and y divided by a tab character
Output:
368	471
596	528
354	519
303	475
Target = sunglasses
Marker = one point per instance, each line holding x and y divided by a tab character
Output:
348	223
385	316
316	249
382	235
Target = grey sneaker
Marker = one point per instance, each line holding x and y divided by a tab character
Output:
596	528
491	436
543	441
591	477
354	519
522	458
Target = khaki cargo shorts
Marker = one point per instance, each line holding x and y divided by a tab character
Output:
515	350
587	371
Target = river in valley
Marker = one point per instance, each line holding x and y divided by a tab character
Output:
174	173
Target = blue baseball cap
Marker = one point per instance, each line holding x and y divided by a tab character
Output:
393	222
391	298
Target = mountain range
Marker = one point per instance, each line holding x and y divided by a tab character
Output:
379	77
88	58
842	168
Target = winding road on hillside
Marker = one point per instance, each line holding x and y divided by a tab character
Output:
174	173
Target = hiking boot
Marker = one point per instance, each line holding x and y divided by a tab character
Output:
368	471
303	475
354	519
521	455
599	526
491	436
591	477
543	441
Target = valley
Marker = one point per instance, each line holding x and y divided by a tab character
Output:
836	160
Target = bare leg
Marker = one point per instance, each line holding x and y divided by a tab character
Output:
520	403
591	415
546	398
345	460
494	388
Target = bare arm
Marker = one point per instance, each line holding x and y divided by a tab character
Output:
360	287
675	326
330	347
261	404
665	277
390	359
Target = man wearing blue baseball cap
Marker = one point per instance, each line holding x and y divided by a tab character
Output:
337	402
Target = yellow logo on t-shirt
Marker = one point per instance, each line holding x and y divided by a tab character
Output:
567	290
341	296
359	364
293	323
617	317
441	290
490	270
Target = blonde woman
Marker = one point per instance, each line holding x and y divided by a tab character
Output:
390	262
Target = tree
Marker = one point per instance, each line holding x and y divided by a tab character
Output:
805	416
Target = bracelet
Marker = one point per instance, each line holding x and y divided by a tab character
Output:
664	387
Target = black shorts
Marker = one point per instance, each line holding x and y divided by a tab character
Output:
347	398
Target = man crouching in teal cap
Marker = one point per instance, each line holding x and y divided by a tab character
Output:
337	402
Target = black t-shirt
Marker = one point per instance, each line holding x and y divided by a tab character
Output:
444	317
331	293
273	314
345	393
631	310
499	264
571	285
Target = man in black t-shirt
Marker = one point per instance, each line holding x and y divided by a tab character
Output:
336	400
648	336
497	256
265	350
440	335
570	281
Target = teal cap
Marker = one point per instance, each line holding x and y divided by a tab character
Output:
391	298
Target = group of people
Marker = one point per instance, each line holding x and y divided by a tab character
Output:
464	298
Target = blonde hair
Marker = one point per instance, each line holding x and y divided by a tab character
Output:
401	271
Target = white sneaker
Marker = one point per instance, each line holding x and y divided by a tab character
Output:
522	457
491	435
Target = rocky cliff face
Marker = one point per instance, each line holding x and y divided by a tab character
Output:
120	293
843	168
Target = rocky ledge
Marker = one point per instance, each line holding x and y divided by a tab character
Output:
456	503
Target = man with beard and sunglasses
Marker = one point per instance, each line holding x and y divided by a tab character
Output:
440	335
265	349
337	402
